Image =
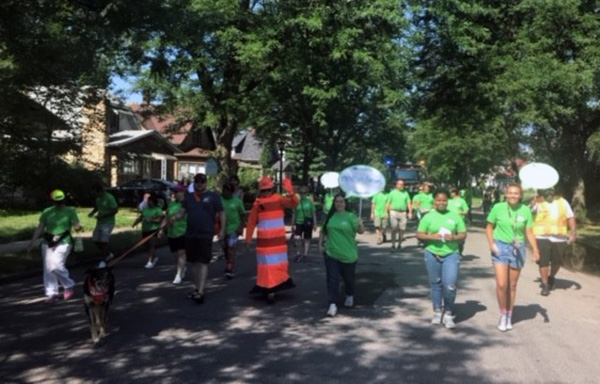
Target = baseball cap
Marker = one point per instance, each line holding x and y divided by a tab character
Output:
57	195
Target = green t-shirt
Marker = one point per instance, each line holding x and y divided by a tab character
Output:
150	214
305	207
341	232
380	201
458	205
178	228
398	200
432	223
104	204
425	201
234	210
328	202
59	220
507	221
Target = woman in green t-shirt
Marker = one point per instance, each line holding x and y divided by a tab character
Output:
338	236
442	231
151	217
508	224
176	231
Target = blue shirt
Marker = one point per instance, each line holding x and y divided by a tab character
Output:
201	213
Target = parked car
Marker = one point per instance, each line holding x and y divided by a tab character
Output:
132	192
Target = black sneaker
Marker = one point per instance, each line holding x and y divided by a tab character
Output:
229	275
551	282
545	290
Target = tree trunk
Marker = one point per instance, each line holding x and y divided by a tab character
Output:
226	133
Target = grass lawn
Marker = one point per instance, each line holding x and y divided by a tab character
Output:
589	234
19	225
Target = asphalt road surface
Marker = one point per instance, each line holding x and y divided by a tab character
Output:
157	335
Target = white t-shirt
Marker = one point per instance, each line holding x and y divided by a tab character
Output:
553	209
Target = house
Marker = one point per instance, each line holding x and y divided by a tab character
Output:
115	141
195	145
102	134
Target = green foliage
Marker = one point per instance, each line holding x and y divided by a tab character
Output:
249	179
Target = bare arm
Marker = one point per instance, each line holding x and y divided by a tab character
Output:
361	227
489	233
223	219
533	243
36	234
573	229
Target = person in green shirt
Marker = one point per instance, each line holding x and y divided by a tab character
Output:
422	203
328	202
459	206
442	231
234	212
508	224
151	218
379	215
467	195
55	224
105	210
338	237
304	219
399	209
176	232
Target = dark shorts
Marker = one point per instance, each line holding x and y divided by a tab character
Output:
198	250
176	243
551	252
304	230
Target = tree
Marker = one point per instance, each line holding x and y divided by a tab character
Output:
53	56
205	60
339	83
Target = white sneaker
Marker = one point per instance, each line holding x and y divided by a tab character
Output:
448	320
437	317
502	323
149	265
508	323
177	279
349	302
332	311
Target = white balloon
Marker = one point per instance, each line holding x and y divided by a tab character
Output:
361	181
330	179
538	176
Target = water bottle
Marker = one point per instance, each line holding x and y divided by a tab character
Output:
78	244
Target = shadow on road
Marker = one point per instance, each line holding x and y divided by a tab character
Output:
158	335
529	312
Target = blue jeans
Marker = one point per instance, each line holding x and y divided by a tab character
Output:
335	269
443	273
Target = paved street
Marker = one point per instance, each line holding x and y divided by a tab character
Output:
158	335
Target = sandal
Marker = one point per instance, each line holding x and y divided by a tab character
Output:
198	297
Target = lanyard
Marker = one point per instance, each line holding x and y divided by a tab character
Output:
513	223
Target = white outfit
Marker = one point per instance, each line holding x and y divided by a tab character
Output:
55	272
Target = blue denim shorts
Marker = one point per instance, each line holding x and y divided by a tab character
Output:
509	255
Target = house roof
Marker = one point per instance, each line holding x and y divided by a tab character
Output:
166	125
121	138
195	152
247	147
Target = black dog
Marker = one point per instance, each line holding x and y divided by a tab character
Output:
98	292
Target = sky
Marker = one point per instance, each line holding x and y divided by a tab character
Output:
121	87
